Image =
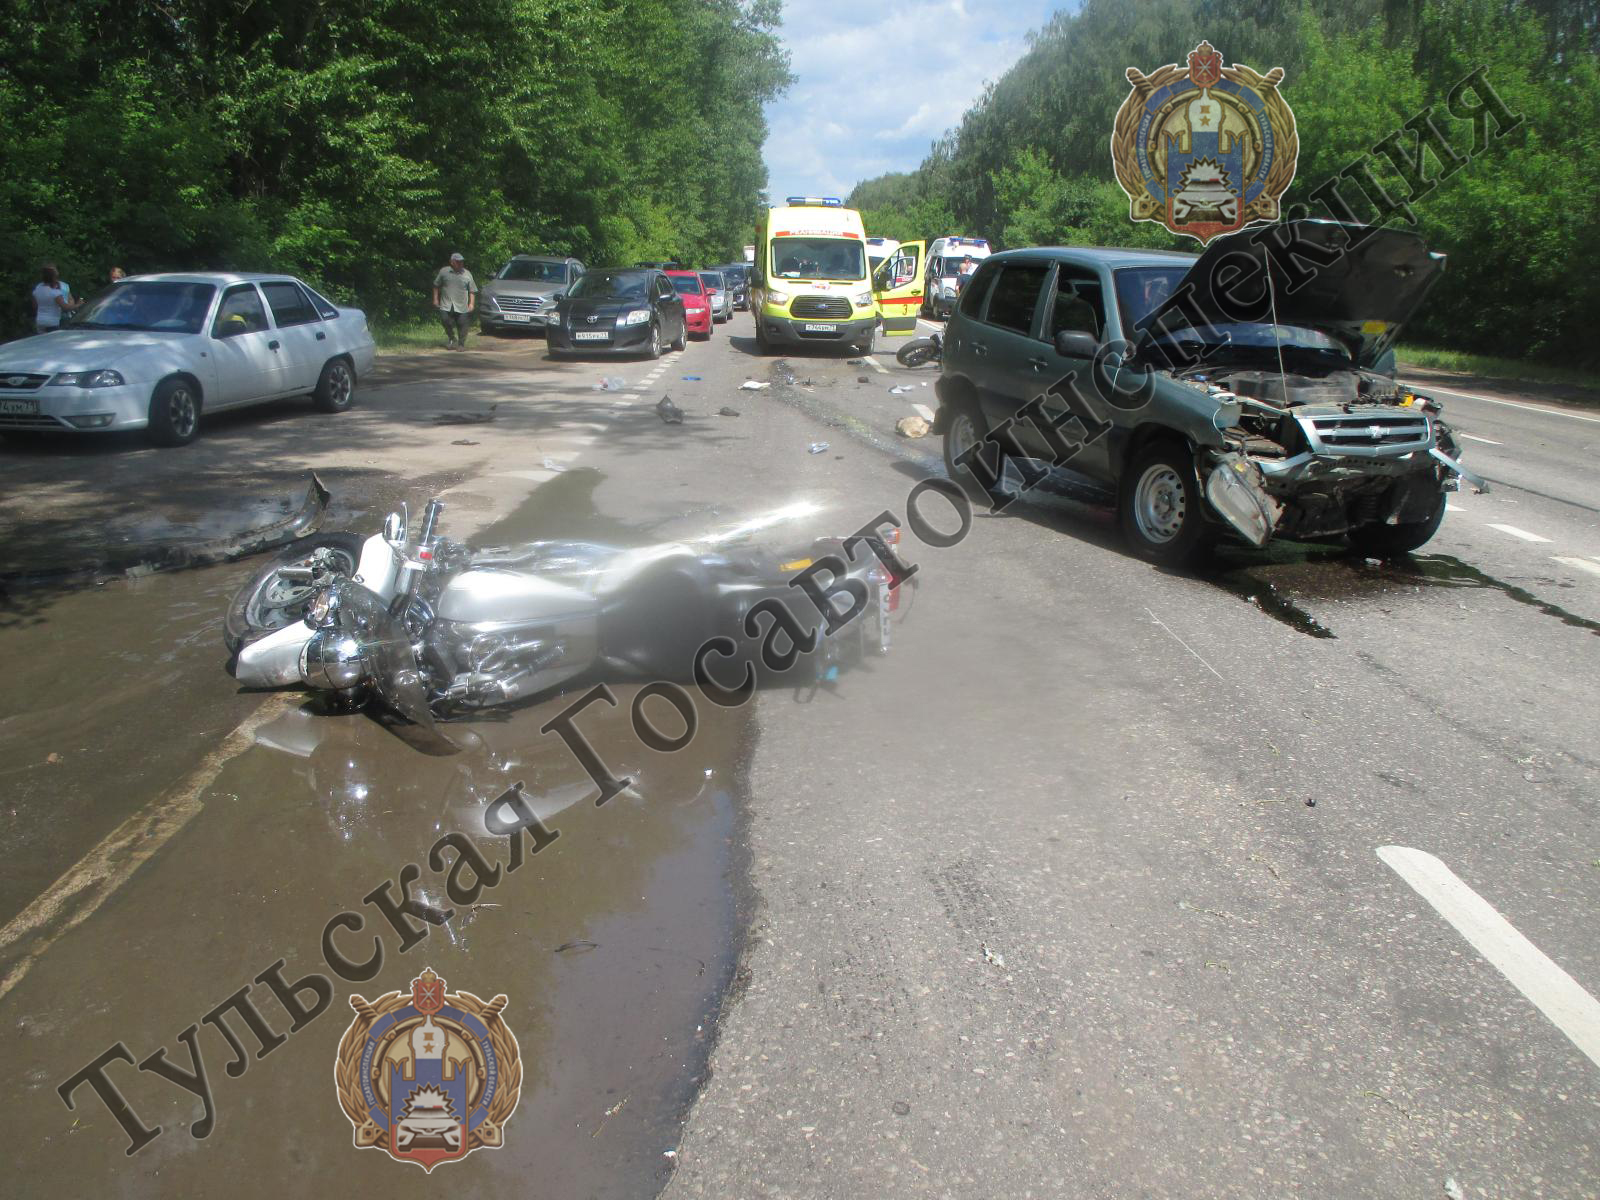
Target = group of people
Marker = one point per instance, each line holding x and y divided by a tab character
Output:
53	300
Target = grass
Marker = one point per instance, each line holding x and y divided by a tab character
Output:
1490	367
416	333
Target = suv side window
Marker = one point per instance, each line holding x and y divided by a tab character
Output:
1078	305
1016	296
289	304
976	291
239	312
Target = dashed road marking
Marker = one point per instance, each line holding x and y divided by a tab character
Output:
1538	408
1583	564
1519	533
1448	507
1472	437
876	365
1550	989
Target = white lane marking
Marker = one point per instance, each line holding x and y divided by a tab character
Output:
1425	388
1550	989
1583	564
876	365
1472	437
931	325
1519	533
1186	645
89	883
1448	507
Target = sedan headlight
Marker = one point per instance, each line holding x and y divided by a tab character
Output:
637	317
88	379
863	299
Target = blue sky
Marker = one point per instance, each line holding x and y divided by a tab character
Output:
866	99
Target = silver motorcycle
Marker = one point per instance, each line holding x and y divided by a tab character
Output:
431	628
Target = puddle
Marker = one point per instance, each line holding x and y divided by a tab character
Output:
1270	599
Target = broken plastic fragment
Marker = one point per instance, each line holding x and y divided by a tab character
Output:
751	385
816	447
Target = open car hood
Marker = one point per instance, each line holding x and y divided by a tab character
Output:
1356	283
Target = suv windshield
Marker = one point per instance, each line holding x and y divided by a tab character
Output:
531	270
611	285
818	258
155	306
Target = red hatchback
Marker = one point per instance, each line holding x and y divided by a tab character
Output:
696	301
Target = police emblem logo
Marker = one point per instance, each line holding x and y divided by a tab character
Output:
1206	149
428	1076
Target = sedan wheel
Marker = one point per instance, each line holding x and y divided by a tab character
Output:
336	387
174	413
655	340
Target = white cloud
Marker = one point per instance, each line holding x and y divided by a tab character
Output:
877	83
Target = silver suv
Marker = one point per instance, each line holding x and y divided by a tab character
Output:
521	291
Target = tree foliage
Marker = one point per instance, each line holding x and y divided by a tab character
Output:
359	143
1030	163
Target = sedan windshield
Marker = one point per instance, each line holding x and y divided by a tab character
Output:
688	285
149	306
611	285
819	258
531	270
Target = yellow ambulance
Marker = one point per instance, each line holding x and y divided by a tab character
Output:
811	284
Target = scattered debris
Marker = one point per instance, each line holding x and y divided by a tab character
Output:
816	447
1219	966
551	464
52	757
610	1112
923	411
725	411
911	427
669	1154
900	1108
856	362
579	945
692	378
898	389
991	957
861	379
611	383
1452	1189
463	442
1311	801
670	413
752	385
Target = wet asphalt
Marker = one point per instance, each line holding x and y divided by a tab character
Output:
1074	893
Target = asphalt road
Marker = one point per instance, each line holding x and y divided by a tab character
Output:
1076	893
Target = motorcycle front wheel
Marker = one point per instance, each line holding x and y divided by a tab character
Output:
269	600
915	353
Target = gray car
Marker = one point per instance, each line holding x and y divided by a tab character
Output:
1166	377
521	291
721	295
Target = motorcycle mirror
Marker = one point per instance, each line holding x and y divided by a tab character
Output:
394	527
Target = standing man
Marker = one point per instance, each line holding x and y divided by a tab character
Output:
455	295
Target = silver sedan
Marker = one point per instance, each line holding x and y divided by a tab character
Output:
155	352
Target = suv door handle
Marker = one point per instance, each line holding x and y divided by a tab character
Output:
273	344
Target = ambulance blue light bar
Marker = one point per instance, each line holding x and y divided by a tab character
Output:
816	201
961	241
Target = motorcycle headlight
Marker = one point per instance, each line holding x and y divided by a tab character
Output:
332	660
863	299
637	317
88	379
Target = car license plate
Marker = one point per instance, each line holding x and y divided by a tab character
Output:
822	329
522	317
19	408
587	336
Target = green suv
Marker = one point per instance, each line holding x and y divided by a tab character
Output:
1245	391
